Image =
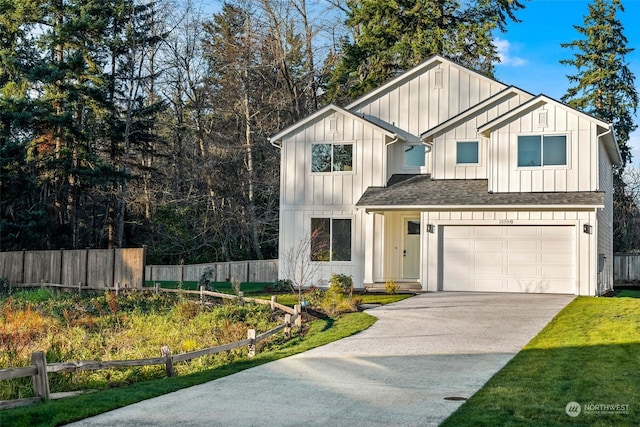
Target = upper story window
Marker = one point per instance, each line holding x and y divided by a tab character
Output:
467	152
542	150
413	155
331	157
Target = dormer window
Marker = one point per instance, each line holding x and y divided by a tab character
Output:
467	152
331	158
542	150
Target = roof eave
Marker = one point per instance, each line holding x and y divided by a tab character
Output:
377	208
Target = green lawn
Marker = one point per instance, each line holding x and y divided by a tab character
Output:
628	293
589	354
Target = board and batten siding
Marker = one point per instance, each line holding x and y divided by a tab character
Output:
581	171
444	150
415	103
305	195
605	219
302	187
297	227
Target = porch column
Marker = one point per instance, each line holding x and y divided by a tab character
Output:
369	222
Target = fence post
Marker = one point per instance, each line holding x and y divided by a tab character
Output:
251	334
165	351
274	299
41	379
298	311
117	287
287	327
157	286
201	294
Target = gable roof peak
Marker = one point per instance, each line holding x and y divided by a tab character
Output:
430	62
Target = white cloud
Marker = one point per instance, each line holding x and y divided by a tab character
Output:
504	48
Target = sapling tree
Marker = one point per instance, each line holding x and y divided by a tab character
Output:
298	266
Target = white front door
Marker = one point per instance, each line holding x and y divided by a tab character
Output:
411	248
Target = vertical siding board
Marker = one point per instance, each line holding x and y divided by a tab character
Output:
454	92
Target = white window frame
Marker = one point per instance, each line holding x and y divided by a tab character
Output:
332	144
351	238
567	164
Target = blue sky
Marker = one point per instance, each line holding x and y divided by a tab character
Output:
531	49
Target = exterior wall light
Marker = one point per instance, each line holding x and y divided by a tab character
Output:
431	228
587	228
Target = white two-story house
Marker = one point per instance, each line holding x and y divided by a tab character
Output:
447	180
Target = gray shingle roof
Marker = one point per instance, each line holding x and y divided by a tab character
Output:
421	190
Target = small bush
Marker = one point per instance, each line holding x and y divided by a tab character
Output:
338	298
283	285
342	283
206	278
391	287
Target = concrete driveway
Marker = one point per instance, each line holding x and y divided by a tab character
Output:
400	371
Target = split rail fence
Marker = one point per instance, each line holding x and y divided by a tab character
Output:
39	368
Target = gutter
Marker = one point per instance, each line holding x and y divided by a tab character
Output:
272	142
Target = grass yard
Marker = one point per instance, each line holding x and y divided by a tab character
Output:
589	354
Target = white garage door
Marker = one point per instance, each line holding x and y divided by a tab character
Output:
508	258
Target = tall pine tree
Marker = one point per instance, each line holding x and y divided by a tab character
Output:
603	86
393	36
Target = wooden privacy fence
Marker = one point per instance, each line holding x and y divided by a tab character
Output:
242	271
626	268
79	267
40	369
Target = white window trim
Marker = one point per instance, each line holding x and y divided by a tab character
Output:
353	224
332	143
479	162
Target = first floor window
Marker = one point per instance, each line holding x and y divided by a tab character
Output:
542	150
330	239
331	157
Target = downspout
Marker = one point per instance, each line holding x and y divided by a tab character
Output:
598	284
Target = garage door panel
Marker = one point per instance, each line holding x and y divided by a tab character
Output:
558	259
508	258
488	245
522	245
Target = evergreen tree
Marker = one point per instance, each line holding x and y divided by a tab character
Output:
393	36
603	84
604	88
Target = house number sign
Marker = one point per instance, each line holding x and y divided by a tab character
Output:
505	222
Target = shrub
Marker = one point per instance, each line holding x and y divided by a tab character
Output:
283	285
341	283
338	298
206	278
391	287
